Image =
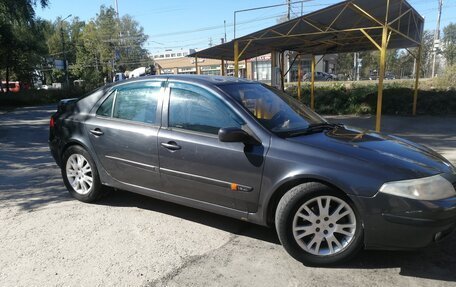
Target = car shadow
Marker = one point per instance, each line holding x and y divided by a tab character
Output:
234	226
437	262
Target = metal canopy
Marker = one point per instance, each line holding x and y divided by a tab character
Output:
349	26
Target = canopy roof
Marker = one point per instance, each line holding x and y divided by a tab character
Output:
349	26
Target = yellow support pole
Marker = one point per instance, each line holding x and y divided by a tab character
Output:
312	84
222	68
299	77
196	65
417	79
236	59
381	76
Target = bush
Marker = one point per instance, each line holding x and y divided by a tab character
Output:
447	81
355	98
37	97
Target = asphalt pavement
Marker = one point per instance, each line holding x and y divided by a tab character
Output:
49	239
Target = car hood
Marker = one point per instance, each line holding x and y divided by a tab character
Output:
397	155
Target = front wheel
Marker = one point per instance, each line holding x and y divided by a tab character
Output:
317	225
80	174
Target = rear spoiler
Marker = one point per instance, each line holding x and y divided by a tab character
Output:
63	104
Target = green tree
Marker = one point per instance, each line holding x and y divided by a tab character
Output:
344	64
20	33
449	42
107	45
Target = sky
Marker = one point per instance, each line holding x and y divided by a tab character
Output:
180	24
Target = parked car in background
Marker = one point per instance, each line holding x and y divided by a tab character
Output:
246	150
119	77
319	76
14	86
388	75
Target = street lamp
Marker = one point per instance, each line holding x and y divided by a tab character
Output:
65	64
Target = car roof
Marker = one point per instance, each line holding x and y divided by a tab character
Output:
201	79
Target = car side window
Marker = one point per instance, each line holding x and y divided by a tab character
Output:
137	103
105	109
195	109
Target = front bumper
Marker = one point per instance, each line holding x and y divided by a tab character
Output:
392	222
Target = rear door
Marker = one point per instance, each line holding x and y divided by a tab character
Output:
193	162
124	131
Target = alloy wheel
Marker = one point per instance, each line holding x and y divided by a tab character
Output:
324	225
79	173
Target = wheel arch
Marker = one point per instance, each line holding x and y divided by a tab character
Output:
288	184
74	142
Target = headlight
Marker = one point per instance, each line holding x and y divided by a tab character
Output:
428	188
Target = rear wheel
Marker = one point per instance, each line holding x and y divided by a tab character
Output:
317	225
80	174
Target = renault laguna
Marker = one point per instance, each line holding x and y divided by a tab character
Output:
245	150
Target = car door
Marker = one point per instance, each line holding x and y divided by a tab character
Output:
194	163
123	132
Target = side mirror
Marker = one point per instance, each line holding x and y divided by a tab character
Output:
235	135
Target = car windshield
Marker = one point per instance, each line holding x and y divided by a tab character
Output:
275	110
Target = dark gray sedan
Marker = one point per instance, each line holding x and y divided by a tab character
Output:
246	150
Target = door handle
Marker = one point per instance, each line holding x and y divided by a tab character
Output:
171	145
96	132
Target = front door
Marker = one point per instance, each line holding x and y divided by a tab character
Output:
193	162
124	131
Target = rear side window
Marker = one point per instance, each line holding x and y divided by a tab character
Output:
134	102
195	109
137	104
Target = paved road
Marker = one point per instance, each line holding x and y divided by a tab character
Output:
47	238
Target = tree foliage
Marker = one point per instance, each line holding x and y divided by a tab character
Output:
94	50
99	48
399	61
449	41
20	42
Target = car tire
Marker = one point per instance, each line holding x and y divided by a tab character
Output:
80	174
307	236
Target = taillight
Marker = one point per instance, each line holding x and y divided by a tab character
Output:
51	122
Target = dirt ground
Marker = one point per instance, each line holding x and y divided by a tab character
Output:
49	239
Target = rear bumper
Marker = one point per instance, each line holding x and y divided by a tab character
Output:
392	222
53	146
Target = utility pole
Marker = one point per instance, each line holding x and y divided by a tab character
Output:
263	7
65	64
119	42
436	38
355	62
286	55
224	24
117	9
289	9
